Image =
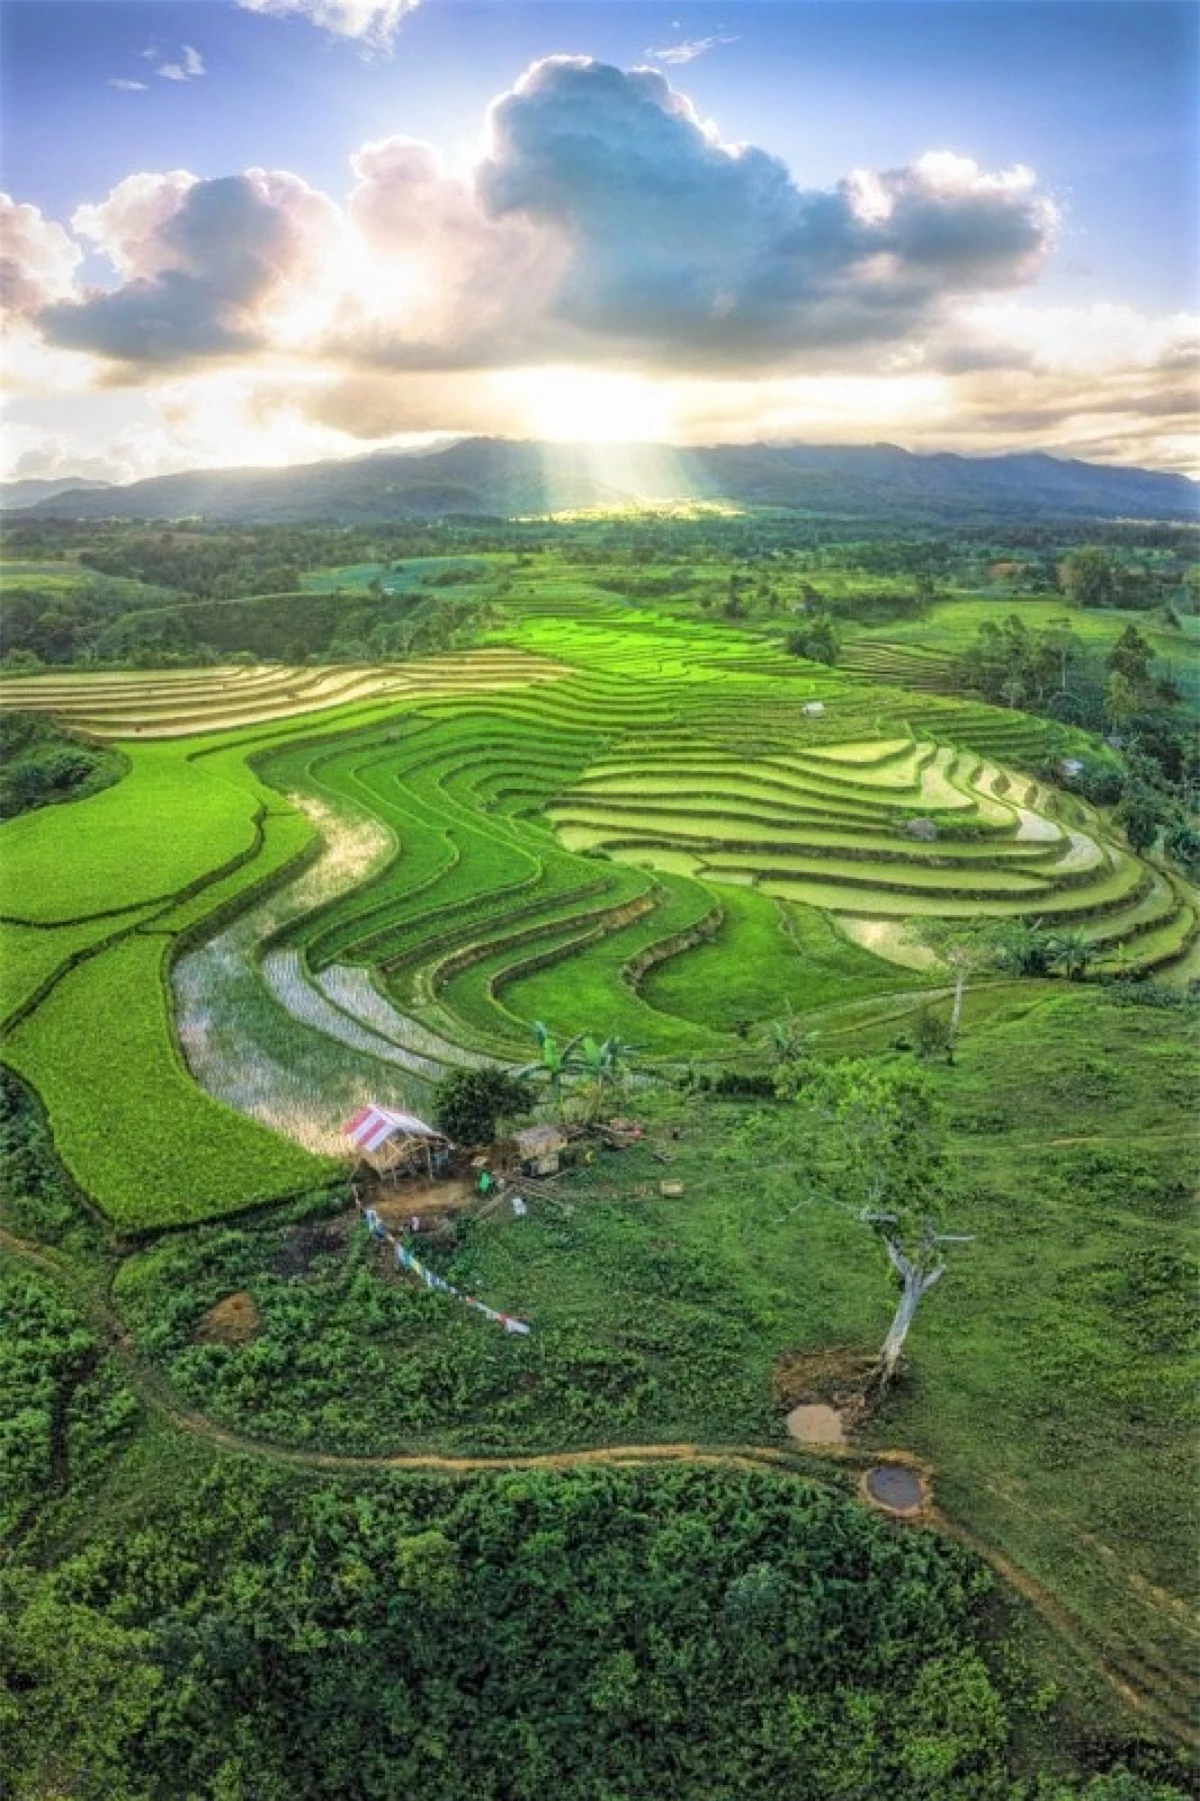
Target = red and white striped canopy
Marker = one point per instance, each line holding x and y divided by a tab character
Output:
372	1128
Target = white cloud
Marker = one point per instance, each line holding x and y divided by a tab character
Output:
38	260
374	22
186	64
677	55
189	67
610	232
607	223
689	50
125	86
210	267
696	249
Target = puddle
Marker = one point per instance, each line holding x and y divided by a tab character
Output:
896	1488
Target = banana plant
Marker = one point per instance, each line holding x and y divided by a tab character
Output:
787	1039
1072	951
606	1064
555	1064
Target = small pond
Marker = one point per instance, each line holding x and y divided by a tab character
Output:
894	1486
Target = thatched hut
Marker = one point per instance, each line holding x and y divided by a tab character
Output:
397	1144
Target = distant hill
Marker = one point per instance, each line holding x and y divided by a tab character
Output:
32	489
502	477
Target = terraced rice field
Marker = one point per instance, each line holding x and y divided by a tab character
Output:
177	703
345	881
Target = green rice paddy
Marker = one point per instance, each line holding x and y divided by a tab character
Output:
606	818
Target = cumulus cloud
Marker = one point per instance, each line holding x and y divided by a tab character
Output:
374	22
38	260
689	50
445	285
611	231
210	266
695	247
606	223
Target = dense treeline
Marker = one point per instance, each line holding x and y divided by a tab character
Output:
1125	692
609	1633
40	765
188	593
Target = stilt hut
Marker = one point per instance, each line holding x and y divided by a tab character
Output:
396	1144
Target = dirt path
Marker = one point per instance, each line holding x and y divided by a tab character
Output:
1162	1698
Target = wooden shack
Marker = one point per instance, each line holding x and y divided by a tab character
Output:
397	1144
539	1149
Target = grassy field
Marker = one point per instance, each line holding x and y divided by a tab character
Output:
1052	1381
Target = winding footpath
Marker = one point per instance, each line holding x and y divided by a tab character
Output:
1163	1698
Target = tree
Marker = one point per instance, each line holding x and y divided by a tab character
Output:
1120	702
1139	815
468	1102
818	640
789	1044
1132	656
965	946
931	1034
606	1064
1022	949
892	1167
1088	577
1182	842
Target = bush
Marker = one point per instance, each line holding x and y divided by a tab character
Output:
470	1101
931	1035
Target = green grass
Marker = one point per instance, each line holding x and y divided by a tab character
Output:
1052	1382
480	919
767	958
30	956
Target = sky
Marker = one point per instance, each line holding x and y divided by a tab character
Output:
269	231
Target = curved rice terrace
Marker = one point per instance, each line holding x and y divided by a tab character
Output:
605	819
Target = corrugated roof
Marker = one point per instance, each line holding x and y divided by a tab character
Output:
374	1126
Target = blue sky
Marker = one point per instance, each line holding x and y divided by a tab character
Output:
1098	100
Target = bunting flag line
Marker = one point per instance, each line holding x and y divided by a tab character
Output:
406	1259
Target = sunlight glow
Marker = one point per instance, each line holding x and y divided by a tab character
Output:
585	406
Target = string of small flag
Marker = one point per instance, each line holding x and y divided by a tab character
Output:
406	1259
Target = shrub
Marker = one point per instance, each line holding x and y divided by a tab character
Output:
931	1034
469	1102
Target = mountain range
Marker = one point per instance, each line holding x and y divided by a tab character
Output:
34	488
506	478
